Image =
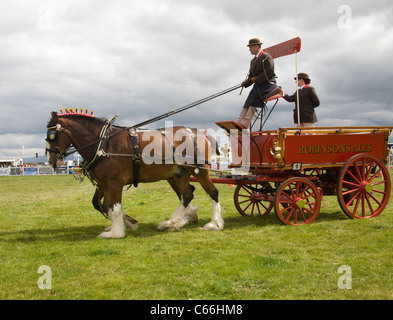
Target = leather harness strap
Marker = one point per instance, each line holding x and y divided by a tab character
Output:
136	159
99	151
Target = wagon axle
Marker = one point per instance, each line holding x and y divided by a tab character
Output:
365	187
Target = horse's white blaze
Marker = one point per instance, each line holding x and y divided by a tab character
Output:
117	228
217	222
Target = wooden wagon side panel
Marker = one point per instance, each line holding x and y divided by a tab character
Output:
253	150
331	149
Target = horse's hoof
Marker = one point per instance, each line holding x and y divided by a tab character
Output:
133	226
164	225
212	226
167	226
130	219
130	222
111	235
191	215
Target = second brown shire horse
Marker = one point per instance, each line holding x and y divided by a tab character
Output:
115	157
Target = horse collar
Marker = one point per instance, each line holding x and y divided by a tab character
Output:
99	151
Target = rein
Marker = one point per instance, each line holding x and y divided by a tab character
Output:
52	136
62	155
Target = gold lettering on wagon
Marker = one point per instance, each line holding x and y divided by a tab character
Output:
335	148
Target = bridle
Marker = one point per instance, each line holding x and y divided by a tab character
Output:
52	136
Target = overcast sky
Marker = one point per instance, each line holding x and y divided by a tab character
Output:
140	59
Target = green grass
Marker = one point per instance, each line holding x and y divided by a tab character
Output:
49	220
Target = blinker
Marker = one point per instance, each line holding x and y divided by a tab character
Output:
51	136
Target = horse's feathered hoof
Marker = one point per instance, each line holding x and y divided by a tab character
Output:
213	226
169	226
112	235
130	222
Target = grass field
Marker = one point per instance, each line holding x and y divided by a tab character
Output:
49	221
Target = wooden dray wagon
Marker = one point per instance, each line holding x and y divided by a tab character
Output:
291	169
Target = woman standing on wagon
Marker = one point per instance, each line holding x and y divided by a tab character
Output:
308	101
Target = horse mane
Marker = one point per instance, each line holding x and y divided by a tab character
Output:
78	117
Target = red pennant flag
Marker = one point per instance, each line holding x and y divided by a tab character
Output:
284	48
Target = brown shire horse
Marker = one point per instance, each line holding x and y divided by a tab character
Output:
114	157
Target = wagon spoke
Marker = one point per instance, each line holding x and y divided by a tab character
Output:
363	205
370	205
244	196
379	191
302	214
378	183
258	208
350	184
351	191
359	170
295	216
252	204
358	199
311	205
356	195
293	190
358	175
259	204
375	199
364	169
304	193
309	194
375	175
289	213
245	209
247	200
369	170
247	190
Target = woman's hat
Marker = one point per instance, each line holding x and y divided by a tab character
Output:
303	76
253	42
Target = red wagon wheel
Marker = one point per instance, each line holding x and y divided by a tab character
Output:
297	201
254	198
363	186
